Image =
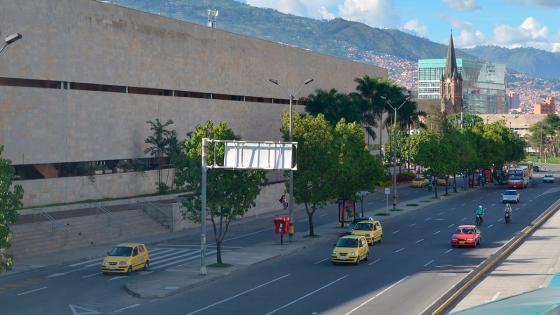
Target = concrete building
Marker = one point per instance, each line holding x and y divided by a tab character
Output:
519	123
513	100
546	107
77	90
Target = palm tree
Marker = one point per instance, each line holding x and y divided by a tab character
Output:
373	107
159	141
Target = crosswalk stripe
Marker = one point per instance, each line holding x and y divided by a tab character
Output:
174	252
155	262
182	261
95	261
85	262
98	261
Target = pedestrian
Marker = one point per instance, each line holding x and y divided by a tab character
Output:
283	201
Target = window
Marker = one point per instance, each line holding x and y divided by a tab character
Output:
135	252
149	91
47	84
97	87
178	93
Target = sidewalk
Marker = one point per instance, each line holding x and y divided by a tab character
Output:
179	279
531	266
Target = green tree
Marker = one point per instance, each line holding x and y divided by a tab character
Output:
433	152
159	145
334	106
316	160
356	169
230	193
10	200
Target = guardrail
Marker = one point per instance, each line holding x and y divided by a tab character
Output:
164	218
102	209
449	297
55	224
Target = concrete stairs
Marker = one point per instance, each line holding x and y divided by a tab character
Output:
38	238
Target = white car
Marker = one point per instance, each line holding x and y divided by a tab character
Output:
548	178
510	196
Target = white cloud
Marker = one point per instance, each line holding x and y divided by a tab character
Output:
317	9
462	5
376	13
529	33
416	27
468	36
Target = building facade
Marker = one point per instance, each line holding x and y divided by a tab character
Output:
77	90
513	100
483	84
451	83
546	107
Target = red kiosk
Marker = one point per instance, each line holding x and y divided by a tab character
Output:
281	226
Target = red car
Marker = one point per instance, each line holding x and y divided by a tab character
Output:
466	235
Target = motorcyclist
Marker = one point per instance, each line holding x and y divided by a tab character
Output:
479	213
507	213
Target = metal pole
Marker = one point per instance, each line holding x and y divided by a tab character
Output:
203	212
394	159
3	47
291	188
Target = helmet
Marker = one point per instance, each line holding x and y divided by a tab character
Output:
480	206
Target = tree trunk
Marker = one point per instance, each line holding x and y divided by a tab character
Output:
380	138
435	189
454	183
446	185
219	251
310	218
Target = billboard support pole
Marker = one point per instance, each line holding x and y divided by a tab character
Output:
203	270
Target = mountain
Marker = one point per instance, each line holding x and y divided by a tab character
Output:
335	37
535	62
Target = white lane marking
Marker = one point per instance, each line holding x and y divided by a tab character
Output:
182	261
449	250
413	224
500	219
156	261
117	277
80	310
452	208
370	203
450	225
308	294
145	273
175	253
420	240
427	219
124	308
395	232
491	225
463	219
374	262
436	232
373	297
493	204
248	234
320	261
441	213
91	275
428	263
399	250
239	294
31	291
322	215
86	262
463	204
54	275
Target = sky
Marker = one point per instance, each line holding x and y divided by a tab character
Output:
506	23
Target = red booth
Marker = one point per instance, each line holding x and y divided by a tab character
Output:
281	226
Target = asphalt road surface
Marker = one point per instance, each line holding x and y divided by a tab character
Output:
413	266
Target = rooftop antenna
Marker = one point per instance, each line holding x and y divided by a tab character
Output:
212	15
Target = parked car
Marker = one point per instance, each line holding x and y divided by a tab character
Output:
466	235
126	258
536	168
509	196
420	181
350	249
371	230
548	178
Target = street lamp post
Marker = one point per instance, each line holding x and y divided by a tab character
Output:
394	142
290	134
10	39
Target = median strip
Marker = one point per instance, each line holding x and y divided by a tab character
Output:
378	294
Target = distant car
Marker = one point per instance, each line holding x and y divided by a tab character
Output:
371	230
466	235
509	196
420	181
442	181
350	249
356	220
536	168
125	258
548	178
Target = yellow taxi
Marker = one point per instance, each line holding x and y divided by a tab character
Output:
126	257
420	181
350	249
371	230
443	181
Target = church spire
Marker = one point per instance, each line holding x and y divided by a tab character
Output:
451	70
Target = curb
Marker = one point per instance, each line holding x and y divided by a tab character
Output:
448	298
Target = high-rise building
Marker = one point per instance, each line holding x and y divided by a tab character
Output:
546	107
513	100
483	84
451	83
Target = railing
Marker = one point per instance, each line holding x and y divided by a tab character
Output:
103	210
161	216
55	224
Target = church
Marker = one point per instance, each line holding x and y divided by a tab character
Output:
451	83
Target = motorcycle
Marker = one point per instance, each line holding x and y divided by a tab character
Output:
507	217
478	220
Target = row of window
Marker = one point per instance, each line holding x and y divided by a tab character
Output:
50	84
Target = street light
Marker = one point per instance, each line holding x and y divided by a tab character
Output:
393	141
291	185
10	39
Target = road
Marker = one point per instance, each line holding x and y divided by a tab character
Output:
413	266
